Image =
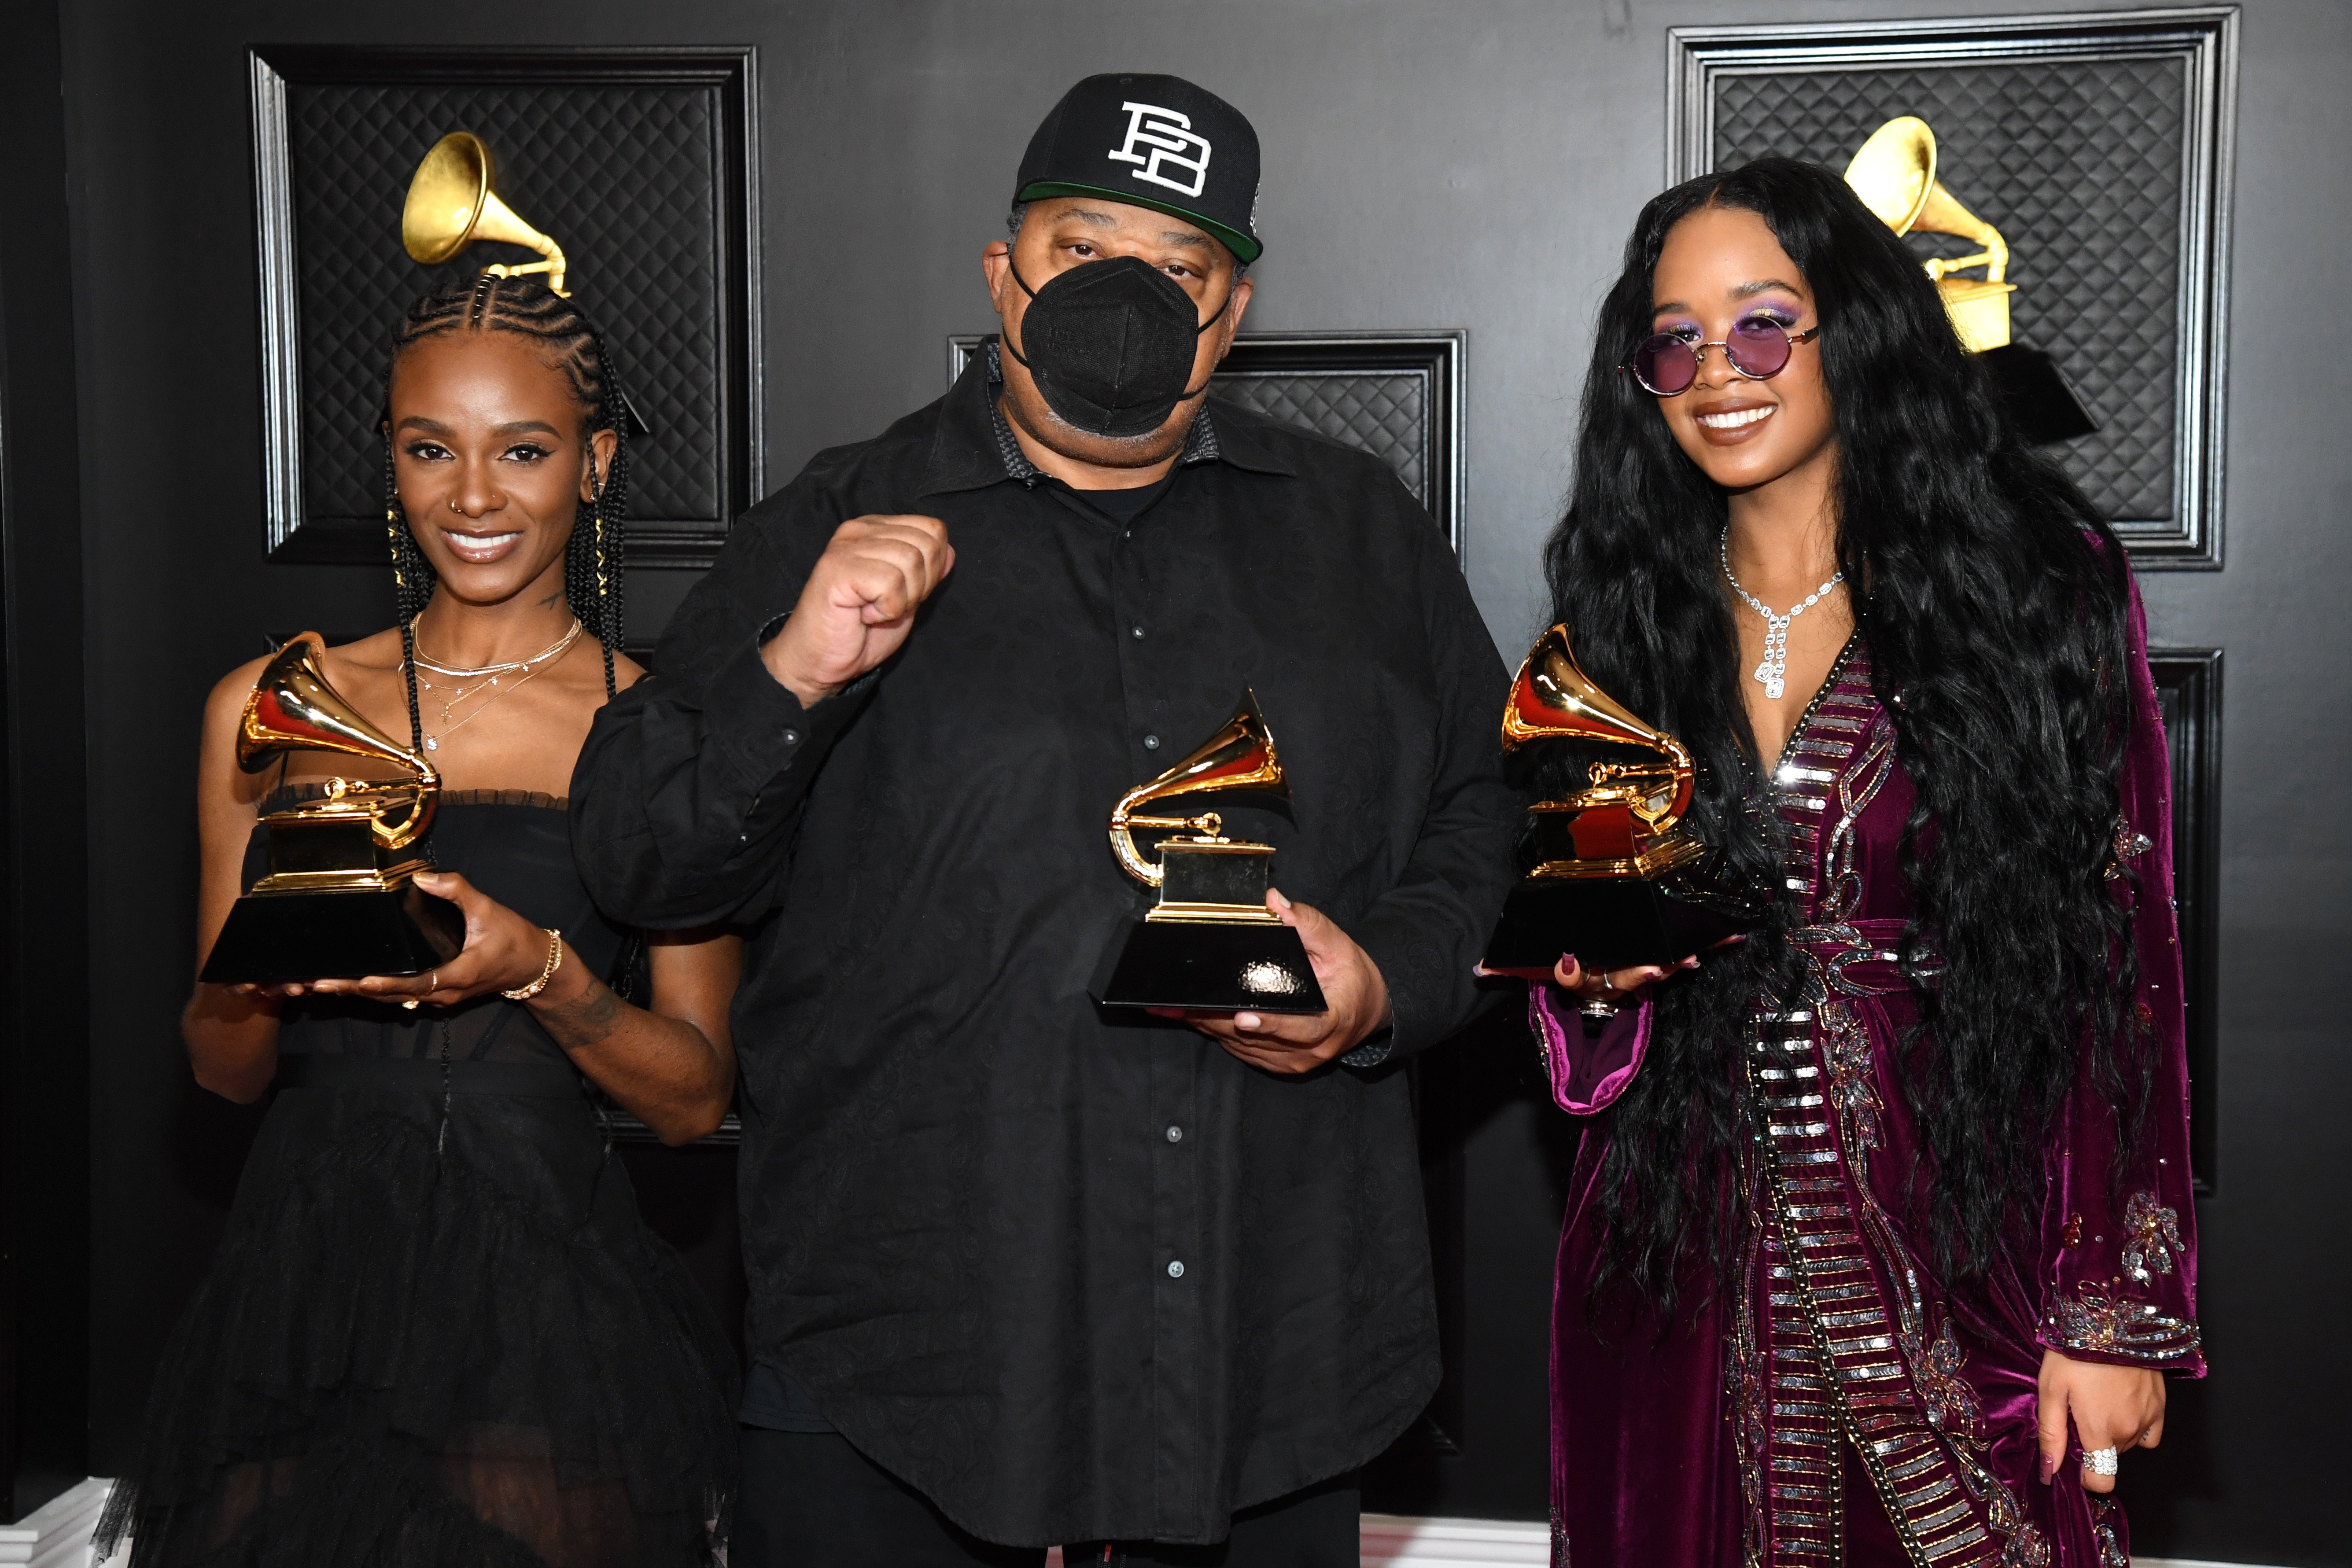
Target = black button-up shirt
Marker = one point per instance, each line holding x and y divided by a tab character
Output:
1076	1275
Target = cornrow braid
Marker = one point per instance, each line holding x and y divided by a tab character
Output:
412	581
593	578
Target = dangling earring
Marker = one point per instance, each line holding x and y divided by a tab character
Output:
603	588
392	524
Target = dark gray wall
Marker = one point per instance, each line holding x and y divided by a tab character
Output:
44	950
1429	164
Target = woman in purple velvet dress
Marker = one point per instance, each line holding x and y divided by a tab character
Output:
1879	1242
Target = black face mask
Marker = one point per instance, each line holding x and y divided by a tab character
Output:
1111	344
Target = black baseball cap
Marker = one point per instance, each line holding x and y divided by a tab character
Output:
1152	142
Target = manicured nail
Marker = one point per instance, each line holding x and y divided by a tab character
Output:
1689	963
2049	1469
1246	1020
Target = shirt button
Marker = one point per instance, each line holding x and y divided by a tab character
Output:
1150	743
1175	1134
1176	1268
792	737
1138	632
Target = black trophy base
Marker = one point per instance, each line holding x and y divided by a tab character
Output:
1610	923
274	938
1205	967
2036	395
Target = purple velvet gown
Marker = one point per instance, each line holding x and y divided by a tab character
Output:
1719	1444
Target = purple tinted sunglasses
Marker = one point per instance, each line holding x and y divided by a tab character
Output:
1757	349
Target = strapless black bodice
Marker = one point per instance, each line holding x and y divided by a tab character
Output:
514	846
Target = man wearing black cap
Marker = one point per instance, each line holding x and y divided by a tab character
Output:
1024	1269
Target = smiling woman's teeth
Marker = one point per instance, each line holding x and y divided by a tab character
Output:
481	544
1733	421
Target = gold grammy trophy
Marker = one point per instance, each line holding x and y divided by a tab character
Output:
340	900
1894	176
453	201
1209	944
1615	879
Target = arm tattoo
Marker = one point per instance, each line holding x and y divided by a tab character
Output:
588	1019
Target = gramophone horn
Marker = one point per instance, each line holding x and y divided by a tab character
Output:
454	201
1894	176
1553	699
292	708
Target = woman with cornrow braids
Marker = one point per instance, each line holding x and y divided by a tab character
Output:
438	1331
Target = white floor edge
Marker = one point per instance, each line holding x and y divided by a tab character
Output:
56	1535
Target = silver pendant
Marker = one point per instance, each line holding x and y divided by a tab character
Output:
432	743
1773	689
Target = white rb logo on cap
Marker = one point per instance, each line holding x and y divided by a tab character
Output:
1169	135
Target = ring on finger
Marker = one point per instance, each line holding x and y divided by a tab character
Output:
2099	1461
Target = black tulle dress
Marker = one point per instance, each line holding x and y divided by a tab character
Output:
437	1331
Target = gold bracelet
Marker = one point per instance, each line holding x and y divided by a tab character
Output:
554	962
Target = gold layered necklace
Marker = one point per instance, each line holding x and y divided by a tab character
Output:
491	678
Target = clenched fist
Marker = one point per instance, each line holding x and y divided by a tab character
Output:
859	602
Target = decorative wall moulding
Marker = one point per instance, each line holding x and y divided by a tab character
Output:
2100	143
2188	692
1397	395
641	163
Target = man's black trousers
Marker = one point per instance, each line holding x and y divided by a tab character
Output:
808	1500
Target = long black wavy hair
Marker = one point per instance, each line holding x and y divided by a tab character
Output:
1993	600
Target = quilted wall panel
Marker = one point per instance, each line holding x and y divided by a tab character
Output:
2079	166
638	162
1384	414
624	181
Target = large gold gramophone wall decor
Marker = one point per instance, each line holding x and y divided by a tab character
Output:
340	899
1210	943
1613	876
1894	176
453	200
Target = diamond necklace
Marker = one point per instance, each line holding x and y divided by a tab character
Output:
1772	673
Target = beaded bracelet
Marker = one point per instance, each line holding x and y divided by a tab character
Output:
554	962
